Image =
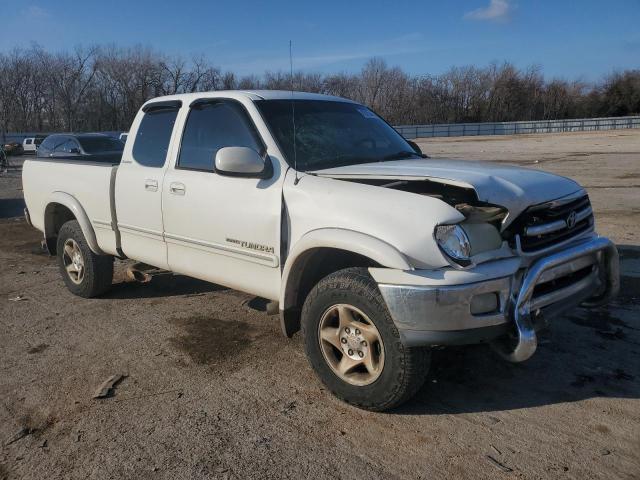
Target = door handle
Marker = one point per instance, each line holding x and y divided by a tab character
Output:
151	185
177	188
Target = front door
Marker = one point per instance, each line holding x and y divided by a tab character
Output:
218	228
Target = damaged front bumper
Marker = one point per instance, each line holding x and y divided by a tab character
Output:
501	299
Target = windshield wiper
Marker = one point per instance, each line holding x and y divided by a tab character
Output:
401	155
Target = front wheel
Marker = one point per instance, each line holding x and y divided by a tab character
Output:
85	273
354	346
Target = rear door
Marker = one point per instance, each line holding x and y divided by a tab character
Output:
138	189
220	228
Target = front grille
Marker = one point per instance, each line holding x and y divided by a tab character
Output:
543	226
561	282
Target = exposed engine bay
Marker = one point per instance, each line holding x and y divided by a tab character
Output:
463	199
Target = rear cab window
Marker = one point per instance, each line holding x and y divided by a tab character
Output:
154	134
100	144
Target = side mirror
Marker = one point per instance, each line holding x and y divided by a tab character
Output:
417	149
242	162
74	150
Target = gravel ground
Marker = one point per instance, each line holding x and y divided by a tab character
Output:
213	390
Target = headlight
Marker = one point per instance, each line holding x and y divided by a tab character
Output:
461	242
453	240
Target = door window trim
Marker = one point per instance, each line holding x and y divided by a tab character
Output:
168	104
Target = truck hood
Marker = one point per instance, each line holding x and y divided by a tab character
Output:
514	188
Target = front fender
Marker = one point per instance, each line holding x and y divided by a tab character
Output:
404	220
75	207
341	239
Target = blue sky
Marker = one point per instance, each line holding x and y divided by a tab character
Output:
570	39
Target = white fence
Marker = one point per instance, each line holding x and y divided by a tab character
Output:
515	128
473	129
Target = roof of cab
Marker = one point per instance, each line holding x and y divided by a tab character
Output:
287	95
250	94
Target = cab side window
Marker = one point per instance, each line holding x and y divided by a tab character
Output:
59	145
212	126
153	137
48	144
69	146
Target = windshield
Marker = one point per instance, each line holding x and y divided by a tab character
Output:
332	134
100	144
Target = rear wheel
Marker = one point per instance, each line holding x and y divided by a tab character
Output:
354	346
85	273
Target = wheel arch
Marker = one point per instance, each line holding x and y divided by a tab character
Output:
322	252
61	208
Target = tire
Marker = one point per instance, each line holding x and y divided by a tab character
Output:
399	372
96	275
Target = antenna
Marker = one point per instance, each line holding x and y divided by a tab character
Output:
293	117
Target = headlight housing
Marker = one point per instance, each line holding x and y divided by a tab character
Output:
462	241
454	242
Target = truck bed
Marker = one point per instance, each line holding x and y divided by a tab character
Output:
91	183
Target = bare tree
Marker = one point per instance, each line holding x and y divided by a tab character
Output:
72	75
102	88
176	74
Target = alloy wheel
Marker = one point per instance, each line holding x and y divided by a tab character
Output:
73	261
351	344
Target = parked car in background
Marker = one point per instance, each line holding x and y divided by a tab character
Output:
31	144
123	136
13	148
84	146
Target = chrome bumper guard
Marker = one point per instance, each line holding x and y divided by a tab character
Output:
585	271
599	286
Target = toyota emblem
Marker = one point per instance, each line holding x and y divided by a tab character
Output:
571	220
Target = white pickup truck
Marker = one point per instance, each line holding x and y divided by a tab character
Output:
373	250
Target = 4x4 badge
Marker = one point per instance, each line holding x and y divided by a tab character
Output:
571	220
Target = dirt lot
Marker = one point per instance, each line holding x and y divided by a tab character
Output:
214	391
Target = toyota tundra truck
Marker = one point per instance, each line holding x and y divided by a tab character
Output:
374	251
